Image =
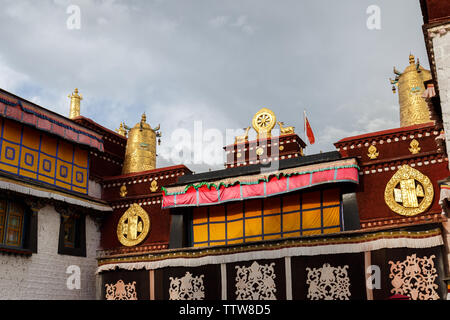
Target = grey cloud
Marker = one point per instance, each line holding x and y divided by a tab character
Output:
215	61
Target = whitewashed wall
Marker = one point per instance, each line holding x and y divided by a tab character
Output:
441	47
43	275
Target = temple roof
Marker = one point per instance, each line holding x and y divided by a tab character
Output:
26	112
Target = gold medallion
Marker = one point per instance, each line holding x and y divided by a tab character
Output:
409	192
133	226
259	151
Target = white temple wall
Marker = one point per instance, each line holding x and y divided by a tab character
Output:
43	275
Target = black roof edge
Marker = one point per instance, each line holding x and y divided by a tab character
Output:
256	168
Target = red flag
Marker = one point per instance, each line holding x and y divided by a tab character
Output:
308	131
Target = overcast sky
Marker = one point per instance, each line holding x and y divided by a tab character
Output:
218	62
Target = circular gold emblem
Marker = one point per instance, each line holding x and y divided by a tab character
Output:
409	192
133	226
263	122
259	151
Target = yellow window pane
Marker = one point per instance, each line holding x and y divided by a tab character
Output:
12	131
332	230
331	197
331	217
275	236
311	200
253	239
253	208
234	210
253	227
200	233
217	213
291	234
311	219
65	151
291	221
236	241
220	243
30	138
311	232
200	215
272	205
217	231
291	203
272	224
235	229
81	157
48	145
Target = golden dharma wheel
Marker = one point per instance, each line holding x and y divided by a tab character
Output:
263	122
134	226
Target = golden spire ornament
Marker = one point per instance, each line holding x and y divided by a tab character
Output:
413	107
122	131
75	101
140	153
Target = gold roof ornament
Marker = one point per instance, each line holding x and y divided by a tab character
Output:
122	129
413	107
140	153
285	130
263	122
75	102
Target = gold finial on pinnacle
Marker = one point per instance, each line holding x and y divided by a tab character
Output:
75	101
122	131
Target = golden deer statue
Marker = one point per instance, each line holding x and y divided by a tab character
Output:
285	130
244	137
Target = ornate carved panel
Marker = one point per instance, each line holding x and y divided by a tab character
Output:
328	283
256	282
121	291
414	277
187	288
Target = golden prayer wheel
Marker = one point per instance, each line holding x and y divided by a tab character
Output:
413	107
140	153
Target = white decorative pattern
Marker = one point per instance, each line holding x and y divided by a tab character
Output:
187	288
414	277
255	282
328	283
121	291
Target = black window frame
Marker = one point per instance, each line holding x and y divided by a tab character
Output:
79	248
29	232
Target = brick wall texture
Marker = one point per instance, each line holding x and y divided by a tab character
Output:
43	275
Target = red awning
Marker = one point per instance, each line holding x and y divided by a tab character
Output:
260	185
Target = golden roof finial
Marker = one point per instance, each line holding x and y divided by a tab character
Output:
144	118
411	59
122	131
75	101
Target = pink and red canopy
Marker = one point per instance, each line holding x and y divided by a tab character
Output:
260	185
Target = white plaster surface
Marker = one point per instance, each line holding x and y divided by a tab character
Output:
43	275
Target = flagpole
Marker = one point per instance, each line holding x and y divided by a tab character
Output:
304	124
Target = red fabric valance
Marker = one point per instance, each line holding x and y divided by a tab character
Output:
269	184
